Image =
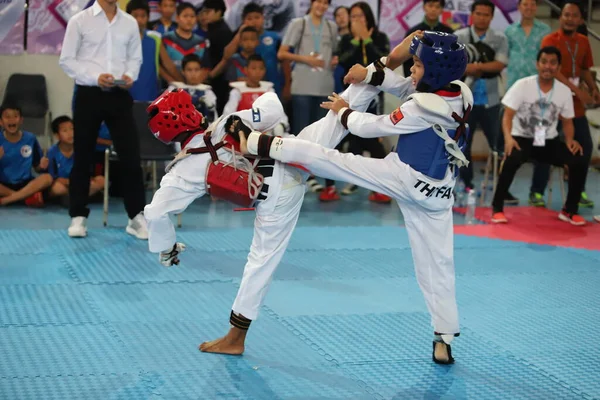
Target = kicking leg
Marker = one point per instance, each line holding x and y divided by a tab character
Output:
379	175
432	243
173	197
272	234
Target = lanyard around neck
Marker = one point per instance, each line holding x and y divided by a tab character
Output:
317	34
573	55
544	105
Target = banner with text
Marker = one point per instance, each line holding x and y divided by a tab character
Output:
12	26
398	16
48	21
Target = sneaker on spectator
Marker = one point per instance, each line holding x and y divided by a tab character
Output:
379	198
35	200
574	219
314	185
536	200
138	227
499	218
349	189
585	202
510	199
329	194
597	218
78	228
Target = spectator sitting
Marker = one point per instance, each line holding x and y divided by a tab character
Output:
60	160
203	97
165	24
533	107
19	152
183	41
236	70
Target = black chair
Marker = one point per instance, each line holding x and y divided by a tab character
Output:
151	149
29	92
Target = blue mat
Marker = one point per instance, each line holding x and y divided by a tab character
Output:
99	318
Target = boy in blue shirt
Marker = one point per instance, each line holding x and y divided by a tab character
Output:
183	41
236	70
60	160
19	153
165	23
155	60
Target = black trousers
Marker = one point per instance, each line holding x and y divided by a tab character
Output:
554	152
92	105
541	172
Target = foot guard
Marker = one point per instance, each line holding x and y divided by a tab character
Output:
443	362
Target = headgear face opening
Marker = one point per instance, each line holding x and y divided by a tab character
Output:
443	57
171	114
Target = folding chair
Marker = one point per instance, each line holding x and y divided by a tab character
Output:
151	149
29	92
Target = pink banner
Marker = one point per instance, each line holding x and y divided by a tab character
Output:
47	22
12	26
398	16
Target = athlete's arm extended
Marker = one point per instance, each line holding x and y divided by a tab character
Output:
404	120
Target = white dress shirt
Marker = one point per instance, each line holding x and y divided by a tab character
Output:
93	45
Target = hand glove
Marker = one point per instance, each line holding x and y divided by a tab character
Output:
169	258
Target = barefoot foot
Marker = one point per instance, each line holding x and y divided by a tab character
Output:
232	343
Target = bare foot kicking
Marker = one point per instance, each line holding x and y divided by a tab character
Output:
232	343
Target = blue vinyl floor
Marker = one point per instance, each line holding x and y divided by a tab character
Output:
99	318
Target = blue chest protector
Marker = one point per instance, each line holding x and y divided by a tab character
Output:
433	150
425	151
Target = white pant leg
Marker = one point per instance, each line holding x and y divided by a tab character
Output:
272	234
431	236
379	175
173	197
328	131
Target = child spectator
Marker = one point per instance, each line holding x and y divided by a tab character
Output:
236	71
60	160
202	26
203	97
218	35
165	24
19	153
183	41
147	86
268	46
244	93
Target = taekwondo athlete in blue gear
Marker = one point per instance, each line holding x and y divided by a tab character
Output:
422	172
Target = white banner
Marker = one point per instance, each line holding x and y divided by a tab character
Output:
12	25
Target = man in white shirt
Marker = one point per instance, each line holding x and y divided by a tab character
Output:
533	107
102	52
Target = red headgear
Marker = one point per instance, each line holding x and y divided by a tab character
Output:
173	113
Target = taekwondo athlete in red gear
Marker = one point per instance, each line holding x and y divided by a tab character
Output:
420	174
276	216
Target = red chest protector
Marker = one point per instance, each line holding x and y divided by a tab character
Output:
236	181
247	100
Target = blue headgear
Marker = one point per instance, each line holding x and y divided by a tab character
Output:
444	58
